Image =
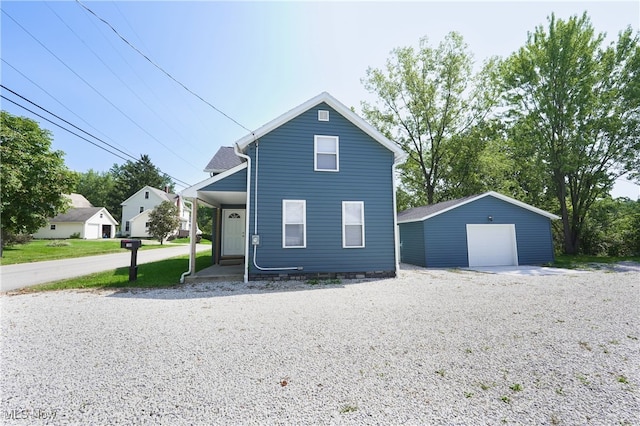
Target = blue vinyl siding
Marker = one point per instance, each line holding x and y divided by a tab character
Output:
446	234
412	243
285	167
236	182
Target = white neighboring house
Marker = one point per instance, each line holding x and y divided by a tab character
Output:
136	209
82	218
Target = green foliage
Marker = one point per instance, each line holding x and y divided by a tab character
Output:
205	219
429	102
75	236
163	221
163	273
573	108
34	178
96	187
612	228
41	250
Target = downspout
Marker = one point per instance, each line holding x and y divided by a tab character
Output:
396	231
237	151
255	217
255	222
192	238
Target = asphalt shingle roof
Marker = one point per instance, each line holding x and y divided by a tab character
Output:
80	214
417	213
224	159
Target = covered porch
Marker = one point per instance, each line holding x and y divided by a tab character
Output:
226	194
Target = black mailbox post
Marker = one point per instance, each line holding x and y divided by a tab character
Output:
132	245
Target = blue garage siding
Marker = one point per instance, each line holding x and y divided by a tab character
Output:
412	243
236	182
446	233
285	168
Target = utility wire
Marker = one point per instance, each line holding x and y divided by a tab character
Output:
63	128
71	124
106	65
159	67
78	128
60	103
96	90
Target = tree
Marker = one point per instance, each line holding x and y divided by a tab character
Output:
96	187
429	100
130	178
575	105
34	178
163	220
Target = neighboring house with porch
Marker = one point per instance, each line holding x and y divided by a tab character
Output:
136	209
81	219
309	194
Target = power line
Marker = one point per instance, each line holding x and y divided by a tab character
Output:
96	90
71	124
78	128
59	103
62	127
159	67
106	65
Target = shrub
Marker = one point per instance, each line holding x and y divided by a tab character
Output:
13	239
75	236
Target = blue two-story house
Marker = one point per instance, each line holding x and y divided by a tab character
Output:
309	194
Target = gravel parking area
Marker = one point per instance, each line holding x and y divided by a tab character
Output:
431	347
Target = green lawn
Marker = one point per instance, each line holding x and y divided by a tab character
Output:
40	250
581	261
164	273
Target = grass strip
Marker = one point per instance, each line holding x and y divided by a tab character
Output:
163	273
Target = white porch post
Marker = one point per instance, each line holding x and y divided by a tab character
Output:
192	235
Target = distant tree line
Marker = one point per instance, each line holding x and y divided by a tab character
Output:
109	189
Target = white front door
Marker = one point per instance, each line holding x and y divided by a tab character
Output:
492	245
233	224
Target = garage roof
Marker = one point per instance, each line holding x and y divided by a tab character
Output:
418	214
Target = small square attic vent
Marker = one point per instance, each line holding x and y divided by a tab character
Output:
323	115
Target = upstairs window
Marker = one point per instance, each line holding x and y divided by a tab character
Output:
294	223
146	195
326	153
141	209
352	224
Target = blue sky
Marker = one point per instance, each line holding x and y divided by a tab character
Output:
254	61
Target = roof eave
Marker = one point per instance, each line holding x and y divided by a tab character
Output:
399	155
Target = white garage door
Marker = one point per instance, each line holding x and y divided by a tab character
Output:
492	245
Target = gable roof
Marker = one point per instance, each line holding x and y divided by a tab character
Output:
346	112
223	160
163	195
81	214
418	214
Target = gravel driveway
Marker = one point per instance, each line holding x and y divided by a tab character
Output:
431	347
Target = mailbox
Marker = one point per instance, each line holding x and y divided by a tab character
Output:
130	244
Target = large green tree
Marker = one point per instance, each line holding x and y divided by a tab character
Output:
429	100
130	177
574	109
163	221
34	178
96	187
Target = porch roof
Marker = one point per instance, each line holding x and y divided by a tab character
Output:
225	188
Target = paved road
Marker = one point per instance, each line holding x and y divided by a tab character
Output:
13	277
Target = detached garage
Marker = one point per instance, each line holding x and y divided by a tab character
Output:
490	229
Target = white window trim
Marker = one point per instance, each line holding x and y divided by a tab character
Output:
323	115
304	224
344	228
315	153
